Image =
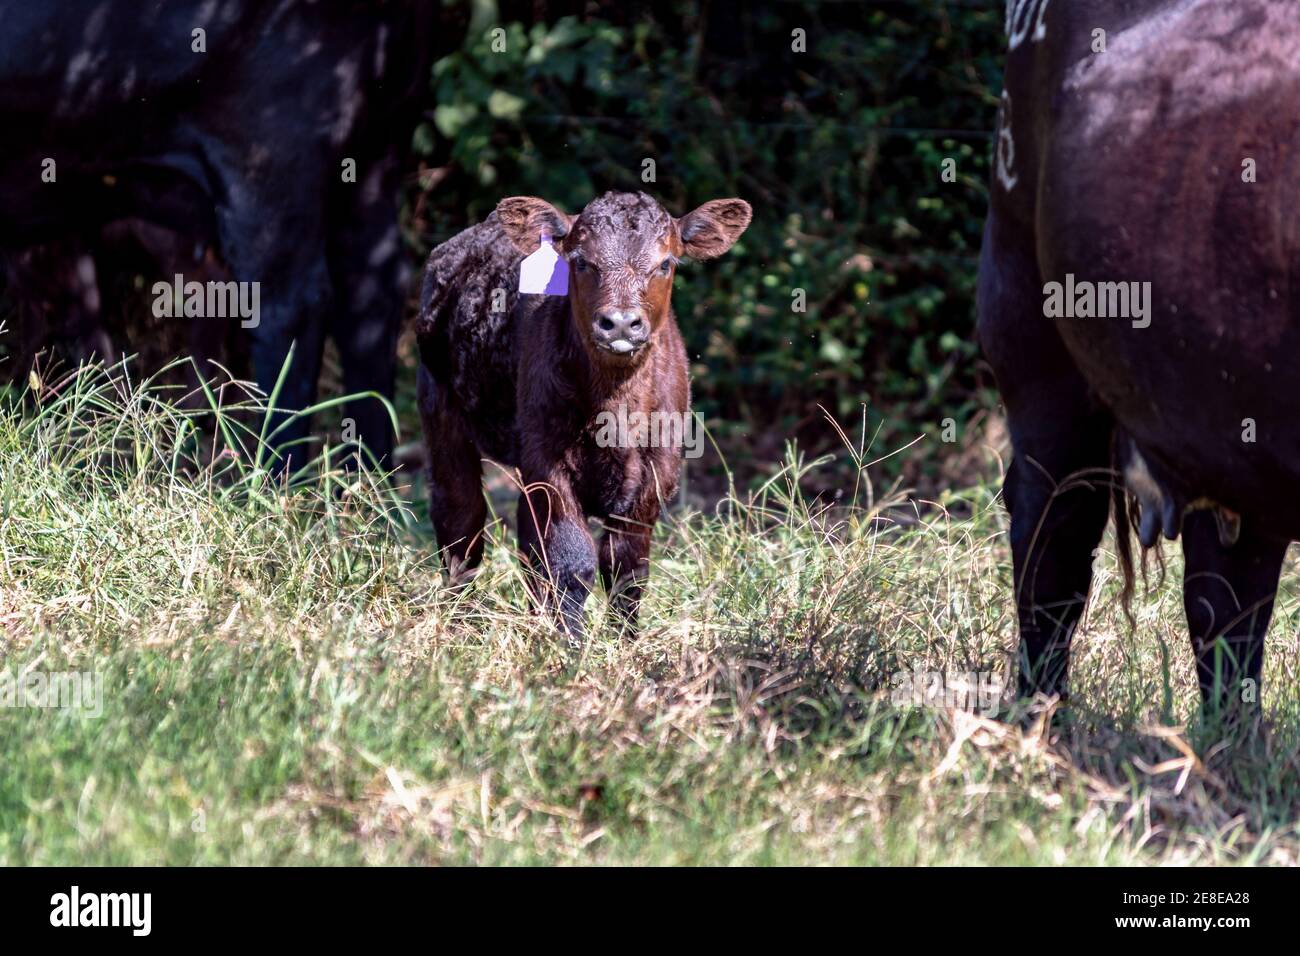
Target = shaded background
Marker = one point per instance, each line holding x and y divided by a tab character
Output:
838	148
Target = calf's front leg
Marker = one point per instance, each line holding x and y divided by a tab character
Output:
625	566
558	551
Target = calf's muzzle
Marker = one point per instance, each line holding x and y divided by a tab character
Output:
620	332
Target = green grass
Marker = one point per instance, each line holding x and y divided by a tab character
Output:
287	681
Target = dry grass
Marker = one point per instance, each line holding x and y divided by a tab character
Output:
287	680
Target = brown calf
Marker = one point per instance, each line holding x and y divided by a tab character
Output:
529	379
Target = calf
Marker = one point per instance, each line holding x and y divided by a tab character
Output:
1151	143
524	379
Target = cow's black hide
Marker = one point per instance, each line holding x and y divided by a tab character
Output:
241	145
1170	157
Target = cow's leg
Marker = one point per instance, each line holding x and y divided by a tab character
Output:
84	320
1057	493
56	290
1228	595
195	257
291	331
1057	486
456	505
273	236
558	550
371	274
625	565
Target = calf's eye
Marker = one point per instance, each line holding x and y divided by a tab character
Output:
665	267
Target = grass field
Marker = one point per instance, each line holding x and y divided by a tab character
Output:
285	680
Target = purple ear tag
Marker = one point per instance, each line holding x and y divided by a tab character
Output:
545	272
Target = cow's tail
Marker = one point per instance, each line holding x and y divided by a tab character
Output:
1127	511
1124	534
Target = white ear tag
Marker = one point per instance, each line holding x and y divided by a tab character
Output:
545	272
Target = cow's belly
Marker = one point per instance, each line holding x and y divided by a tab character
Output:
1177	190
1202	368
1220	424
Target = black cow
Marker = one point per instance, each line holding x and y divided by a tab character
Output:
62	304
230	120
1172	159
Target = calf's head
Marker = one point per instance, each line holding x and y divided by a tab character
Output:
622	251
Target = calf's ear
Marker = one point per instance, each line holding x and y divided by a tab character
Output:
525	219
710	230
